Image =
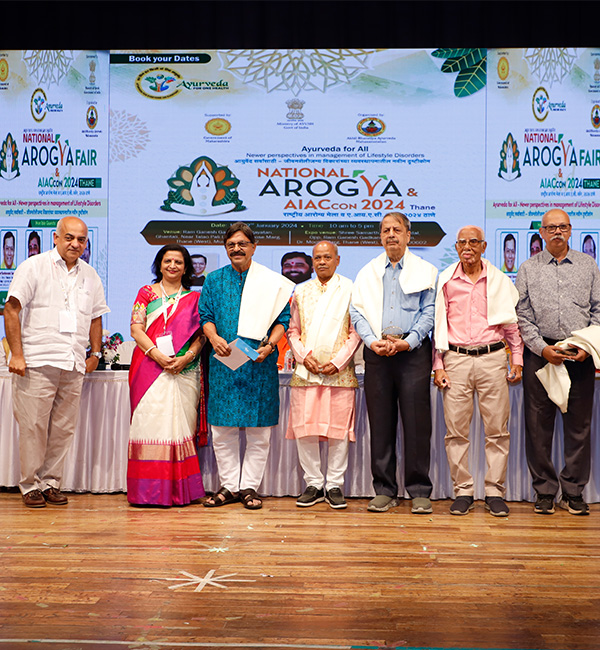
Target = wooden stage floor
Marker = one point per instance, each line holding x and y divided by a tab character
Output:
99	574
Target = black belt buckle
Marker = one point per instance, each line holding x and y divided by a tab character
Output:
476	352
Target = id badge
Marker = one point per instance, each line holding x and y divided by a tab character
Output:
67	321
165	344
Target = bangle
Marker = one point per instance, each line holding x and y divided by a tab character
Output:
192	353
148	350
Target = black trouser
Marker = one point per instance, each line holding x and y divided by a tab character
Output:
402	380
540	413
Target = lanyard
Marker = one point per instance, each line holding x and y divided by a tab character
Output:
70	282
165	303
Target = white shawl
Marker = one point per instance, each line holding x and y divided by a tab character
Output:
502	297
264	295
555	379
367	296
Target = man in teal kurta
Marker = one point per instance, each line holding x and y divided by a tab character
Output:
248	301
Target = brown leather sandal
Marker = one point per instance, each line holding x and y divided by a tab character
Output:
217	501
247	496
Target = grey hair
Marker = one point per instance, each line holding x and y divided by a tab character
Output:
399	217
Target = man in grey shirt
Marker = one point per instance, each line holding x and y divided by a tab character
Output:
559	292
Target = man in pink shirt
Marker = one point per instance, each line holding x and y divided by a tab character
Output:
474	312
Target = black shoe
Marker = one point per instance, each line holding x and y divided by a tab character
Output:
544	504
496	506
575	505
335	498
310	496
462	505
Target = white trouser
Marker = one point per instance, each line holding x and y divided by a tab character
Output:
234	474
309	454
46	406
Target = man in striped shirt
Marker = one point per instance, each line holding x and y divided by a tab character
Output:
559	292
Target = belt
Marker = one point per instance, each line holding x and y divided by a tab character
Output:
396	336
476	352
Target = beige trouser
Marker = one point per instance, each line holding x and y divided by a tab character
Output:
46	406
485	375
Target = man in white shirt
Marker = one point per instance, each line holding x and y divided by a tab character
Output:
55	304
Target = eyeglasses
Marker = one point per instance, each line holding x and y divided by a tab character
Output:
242	244
461	243
563	227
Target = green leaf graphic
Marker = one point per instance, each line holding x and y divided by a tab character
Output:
456	64
471	80
450	52
471	65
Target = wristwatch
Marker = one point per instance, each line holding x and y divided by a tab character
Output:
98	355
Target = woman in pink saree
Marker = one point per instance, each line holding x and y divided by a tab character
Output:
165	380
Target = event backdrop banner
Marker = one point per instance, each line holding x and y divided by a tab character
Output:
53	152
303	145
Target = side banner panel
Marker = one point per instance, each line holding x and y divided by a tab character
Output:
53	152
543	148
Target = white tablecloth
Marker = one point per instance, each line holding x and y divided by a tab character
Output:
97	460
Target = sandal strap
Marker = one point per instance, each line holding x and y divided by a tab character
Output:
249	494
226	493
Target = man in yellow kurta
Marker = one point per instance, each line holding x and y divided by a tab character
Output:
323	385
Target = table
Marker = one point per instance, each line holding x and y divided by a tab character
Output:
97	460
